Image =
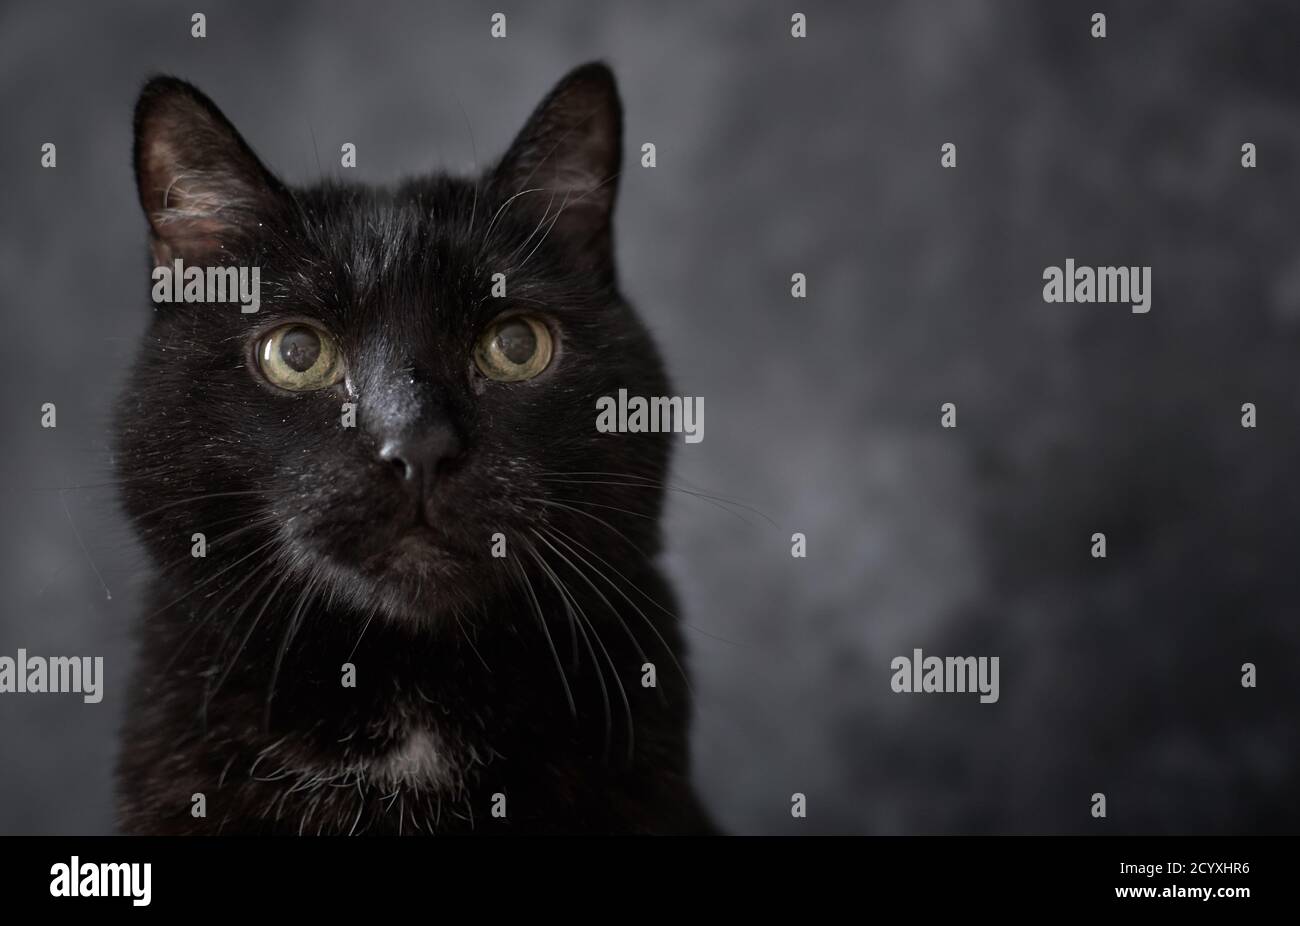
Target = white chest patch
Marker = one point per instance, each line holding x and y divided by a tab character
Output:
416	761
419	761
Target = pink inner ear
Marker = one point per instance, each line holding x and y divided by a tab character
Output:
192	211
199	212
185	237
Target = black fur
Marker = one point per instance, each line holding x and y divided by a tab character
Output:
476	676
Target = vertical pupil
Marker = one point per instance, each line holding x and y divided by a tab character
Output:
300	348
516	341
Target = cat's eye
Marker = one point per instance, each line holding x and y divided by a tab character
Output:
514	348
300	358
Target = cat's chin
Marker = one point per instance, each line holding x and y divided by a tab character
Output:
416	554
409	592
415	577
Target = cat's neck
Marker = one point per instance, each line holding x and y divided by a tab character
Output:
326	669
325	734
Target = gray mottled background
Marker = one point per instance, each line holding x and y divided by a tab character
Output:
776	156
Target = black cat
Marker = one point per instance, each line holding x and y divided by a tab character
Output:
353	654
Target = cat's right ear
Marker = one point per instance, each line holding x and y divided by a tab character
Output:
201	187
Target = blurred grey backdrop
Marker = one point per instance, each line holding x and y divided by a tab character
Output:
778	155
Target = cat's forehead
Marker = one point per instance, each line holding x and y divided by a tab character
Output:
370	229
426	240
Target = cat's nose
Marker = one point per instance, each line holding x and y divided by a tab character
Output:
417	457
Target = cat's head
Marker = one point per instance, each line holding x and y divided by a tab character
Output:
393	405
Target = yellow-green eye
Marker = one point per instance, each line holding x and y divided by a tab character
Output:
514	348
300	357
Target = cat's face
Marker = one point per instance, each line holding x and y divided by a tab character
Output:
387	419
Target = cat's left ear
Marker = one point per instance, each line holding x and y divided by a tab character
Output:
201	187
564	164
